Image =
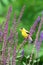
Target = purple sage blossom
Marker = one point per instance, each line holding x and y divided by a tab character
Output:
4	42
1	36
21	13
11	35
8	57
41	36
4	38
8	14
22	53
32	30
1	33
38	43
14	56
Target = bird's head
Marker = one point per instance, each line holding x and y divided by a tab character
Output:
21	29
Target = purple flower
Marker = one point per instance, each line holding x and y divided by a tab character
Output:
4	61
5	36
38	19
1	33
38	46
9	12
4	42
41	36
14	56
10	9
1	36
21	13
22	53
11	35
33	28
38	43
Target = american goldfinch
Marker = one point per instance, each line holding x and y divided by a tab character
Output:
26	34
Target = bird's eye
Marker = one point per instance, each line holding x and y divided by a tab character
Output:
21	28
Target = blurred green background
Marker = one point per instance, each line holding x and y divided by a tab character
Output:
33	9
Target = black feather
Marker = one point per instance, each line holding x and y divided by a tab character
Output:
27	32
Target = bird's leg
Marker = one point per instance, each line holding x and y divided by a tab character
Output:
26	39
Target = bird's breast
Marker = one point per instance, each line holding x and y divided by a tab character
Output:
24	34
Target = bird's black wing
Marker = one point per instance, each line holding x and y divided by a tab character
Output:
27	32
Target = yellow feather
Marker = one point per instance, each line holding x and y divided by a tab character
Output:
24	34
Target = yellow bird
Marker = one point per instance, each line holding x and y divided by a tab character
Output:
26	34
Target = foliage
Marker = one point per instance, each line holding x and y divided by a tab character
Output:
33	9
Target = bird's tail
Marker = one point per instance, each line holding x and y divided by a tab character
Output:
30	39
